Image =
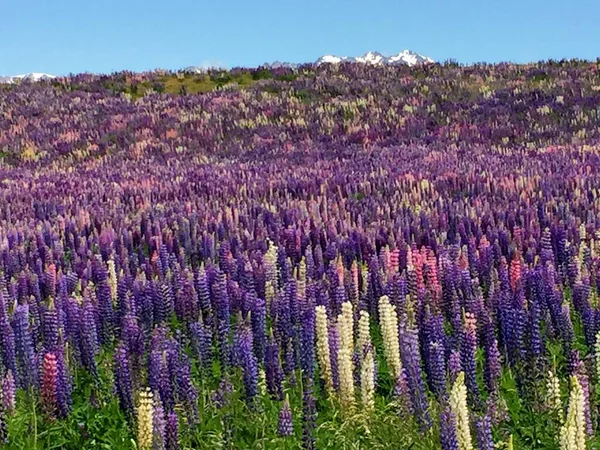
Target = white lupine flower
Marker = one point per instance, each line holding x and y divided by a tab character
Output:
458	405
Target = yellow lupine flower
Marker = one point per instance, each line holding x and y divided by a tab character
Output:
458	405
367	380
344	356
145	420
389	330
323	353
553	392
573	433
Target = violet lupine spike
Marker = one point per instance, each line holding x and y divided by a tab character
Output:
50	321
309	415
89	338
468	351
285	427
483	426
123	382
437	370
448	438
159	424
222	313
248	363
8	349
172	431
63	385
258	318
454	365
411	360
307	340
201	341
273	371
26	357
9	388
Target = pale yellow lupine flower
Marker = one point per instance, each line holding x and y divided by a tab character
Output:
367	381
572	433
112	280
323	353
597	355
347	339
553	392
364	335
389	330
344	356
458	405
145	420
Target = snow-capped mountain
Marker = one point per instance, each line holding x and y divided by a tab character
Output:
33	76
406	57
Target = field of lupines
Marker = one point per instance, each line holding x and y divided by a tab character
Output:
343	257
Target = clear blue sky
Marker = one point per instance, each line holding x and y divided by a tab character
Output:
62	36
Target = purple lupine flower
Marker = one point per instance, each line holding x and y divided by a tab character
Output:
9	388
309	415
273	371
89	338
72	326
468	349
258	318
437	370
63	385
411	360
221	396
307	339
123	384
105	309
483	425
285	427
203	292
222	312
50	328
186	391
3	427
248	362
164	305
201	341
28	370
172	431
448	437
158	424
454	365
7	348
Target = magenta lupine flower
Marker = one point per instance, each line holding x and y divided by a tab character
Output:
49	385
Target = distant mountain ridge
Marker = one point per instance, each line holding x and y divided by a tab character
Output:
33	76
405	57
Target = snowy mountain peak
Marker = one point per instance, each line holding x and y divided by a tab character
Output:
406	57
33	76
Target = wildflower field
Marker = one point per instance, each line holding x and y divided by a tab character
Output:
332	257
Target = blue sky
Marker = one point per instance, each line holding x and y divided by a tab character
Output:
62	36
